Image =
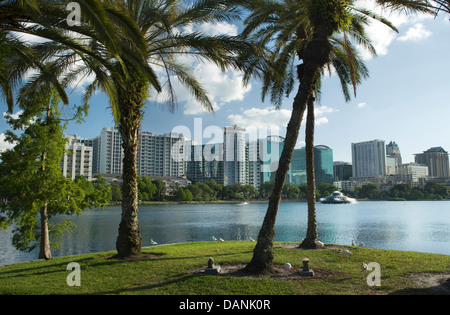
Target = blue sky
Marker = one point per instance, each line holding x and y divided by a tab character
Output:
406	99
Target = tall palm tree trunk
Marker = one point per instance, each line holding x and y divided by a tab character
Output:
311	232
315	57
131	101
129	240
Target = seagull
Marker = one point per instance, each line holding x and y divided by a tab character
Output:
214	238
319	243
288	268
353	243
252	239
361	244
346	252
363	266
153	242
221	239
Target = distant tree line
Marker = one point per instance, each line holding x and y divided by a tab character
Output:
431	191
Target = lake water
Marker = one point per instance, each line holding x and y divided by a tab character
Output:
422	226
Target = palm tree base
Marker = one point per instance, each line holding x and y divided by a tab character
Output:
308	244
262	261
129	241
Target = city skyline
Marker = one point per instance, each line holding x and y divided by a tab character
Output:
403	100
241	158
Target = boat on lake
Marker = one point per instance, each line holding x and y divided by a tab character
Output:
337	197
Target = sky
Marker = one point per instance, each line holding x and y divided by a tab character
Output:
406	99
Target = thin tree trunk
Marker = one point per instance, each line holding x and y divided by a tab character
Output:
316	54
311	233
44	248
44	252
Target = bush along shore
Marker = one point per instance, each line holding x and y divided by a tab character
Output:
179	269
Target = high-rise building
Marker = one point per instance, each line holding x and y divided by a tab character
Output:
413	173
109	152
234	149
393	152
160	155
263	159
342	170
205	162
436	159
323	165
369	159
77	159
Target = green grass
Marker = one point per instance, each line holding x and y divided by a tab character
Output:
166	272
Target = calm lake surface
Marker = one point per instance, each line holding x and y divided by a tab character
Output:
422	226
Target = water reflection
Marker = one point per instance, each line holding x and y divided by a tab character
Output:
416	226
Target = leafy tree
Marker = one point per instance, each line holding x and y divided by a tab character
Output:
116	191
32	185
97	192
146	188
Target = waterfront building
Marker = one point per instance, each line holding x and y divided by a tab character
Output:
161	155
77	159
204	162
436	159
393	152
369	159
413	173
342	170
323	165
234	149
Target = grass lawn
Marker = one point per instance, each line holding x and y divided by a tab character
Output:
178	270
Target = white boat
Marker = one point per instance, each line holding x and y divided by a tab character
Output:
337	197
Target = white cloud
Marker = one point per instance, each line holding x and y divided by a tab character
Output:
415	33
269	117
219	28
221	87
261	118
383	36
4	145
362	105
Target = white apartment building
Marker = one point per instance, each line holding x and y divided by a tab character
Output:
234	147
369	159
161	155
77	159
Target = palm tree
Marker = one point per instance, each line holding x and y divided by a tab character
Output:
442	5
48	20
129	85
286	26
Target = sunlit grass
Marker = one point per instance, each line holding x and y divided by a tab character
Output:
169	270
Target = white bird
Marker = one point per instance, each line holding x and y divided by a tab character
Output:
252	239
363	266
153	242
288	268
353	243
319	243
221	239
346	252
214	238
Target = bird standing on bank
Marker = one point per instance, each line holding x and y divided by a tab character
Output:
288	268
319	243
